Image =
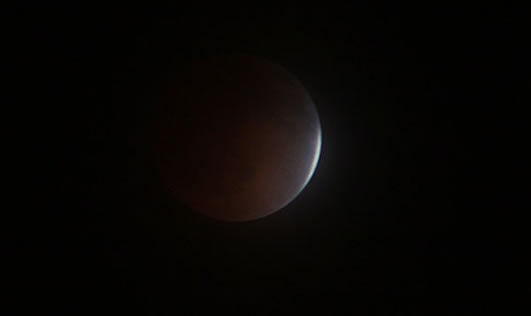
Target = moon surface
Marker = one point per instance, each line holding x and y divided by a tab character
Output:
238	138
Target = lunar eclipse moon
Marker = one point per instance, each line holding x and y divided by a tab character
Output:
238	137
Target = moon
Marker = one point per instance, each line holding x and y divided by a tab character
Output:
238	137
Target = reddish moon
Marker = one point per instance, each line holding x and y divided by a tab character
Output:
238	139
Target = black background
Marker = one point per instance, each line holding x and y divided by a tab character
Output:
416	206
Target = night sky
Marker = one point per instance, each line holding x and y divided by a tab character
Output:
416	206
